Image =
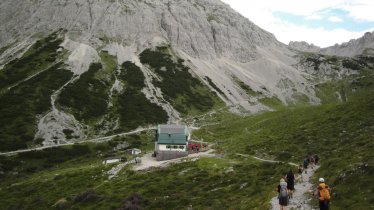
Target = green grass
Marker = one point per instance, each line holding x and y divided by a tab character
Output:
31	162
20	107
329	92
185	92
109	67
347	87
209	183
272	102
340	133
40	56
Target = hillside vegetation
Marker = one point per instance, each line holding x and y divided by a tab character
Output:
74	178
21	106
185	92
87	98
340	133
37	58
134	108
109	99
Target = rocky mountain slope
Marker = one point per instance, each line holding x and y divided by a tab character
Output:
90	68
86	72
363	45
304	46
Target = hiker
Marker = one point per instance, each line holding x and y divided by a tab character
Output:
316	158
312	161
290	177
300	172
323	193
282	194
306	163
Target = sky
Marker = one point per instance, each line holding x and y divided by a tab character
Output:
320	22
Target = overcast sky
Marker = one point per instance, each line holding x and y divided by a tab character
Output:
321	22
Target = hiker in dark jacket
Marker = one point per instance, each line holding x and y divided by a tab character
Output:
306	163
290	177
316	158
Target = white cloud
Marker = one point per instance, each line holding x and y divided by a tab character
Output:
261	12
335	19
296	7
314	17
287	32
360	10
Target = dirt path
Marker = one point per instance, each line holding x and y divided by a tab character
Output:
116	169
32	76
264	160
300	200
96	140
149	162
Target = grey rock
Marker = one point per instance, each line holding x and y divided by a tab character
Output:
304	46
201	28
363	45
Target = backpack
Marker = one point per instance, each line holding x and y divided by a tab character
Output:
324	194
283	193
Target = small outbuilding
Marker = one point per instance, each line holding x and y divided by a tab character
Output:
134	151
171	142
112	160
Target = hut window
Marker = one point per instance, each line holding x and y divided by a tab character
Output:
168	147
175	147
181	147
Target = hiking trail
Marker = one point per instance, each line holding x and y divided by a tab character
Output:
300	200
264	160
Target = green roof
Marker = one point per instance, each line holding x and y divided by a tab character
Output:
172	134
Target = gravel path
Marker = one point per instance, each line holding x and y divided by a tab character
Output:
96	140
300	200
116	169
264	160
149	162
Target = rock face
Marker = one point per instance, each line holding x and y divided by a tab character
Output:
202	28
354	47
363	45
304	46
226	52
218	42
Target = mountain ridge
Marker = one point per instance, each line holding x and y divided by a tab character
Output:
362	45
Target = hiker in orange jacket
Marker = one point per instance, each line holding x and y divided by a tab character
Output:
323	192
